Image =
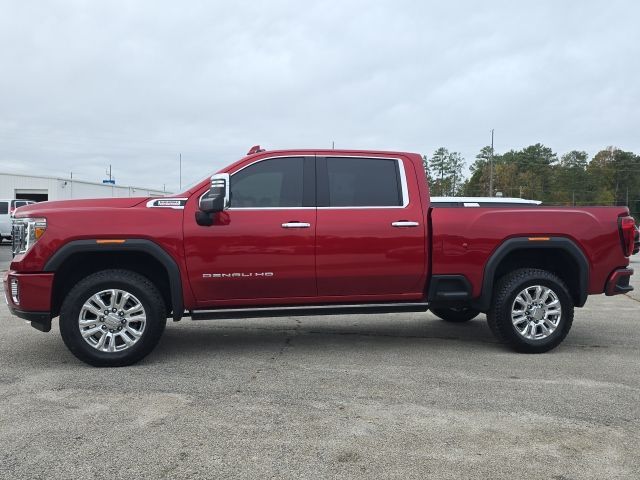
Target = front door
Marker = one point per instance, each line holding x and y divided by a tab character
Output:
261	249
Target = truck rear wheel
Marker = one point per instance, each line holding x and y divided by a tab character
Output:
531	311
456	315
112	318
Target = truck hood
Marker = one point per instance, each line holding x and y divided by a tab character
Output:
41	208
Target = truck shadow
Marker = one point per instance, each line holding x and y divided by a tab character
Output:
290	338
206	338
272	337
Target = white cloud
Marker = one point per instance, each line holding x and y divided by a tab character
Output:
86	84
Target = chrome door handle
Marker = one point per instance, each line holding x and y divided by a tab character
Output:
296	225
404	223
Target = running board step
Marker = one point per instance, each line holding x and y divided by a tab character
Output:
301	310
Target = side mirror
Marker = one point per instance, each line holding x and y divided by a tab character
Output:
217	198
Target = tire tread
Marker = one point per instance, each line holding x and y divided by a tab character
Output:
68	322
499	315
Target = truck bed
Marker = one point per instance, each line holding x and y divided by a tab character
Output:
465	237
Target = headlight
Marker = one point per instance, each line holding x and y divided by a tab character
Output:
26	232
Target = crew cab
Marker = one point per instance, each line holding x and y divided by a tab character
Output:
299	232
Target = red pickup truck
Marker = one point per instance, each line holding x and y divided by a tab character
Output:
298	232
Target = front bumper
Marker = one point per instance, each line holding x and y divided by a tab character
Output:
619	282
34	297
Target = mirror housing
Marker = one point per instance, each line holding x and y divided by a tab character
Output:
204	219
217	198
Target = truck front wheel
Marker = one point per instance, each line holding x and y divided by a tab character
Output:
456	315
112	318
531	310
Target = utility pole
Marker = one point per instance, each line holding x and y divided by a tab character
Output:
333	145
109	181
491	167
181	172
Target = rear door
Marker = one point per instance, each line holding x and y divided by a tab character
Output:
370	234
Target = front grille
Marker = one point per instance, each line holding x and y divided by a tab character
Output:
18	237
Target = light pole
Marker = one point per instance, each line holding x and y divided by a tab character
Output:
491	167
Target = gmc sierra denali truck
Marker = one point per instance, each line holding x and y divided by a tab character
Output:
300	232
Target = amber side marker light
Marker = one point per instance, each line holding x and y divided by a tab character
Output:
102	242
539	239
39	231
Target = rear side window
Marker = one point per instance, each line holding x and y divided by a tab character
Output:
363	182
4	208
269	184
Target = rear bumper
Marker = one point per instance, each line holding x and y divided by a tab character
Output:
619	282
33	302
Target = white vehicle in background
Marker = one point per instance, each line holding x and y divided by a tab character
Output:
7	207
482	202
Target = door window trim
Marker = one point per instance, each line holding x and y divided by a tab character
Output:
401	172
311	181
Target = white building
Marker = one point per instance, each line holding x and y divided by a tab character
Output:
41	188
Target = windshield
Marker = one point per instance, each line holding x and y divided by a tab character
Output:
193	184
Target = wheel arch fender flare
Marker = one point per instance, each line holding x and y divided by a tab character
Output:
129	245
511	245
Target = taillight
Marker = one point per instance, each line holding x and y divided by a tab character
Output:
627	226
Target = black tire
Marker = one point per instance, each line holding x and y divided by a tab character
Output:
142	288
456	315
505	293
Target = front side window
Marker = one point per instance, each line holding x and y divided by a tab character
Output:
273	183
363	182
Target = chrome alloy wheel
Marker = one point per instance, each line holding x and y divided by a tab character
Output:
536	312
112	320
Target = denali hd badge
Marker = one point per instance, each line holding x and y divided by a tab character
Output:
175	203
238	275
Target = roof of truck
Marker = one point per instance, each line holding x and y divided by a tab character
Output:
326	151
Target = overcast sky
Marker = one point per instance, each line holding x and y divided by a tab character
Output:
85	84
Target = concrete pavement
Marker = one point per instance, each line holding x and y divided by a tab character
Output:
384	396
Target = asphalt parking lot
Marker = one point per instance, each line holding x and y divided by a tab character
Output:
384	396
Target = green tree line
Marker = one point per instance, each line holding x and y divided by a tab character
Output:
611	177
